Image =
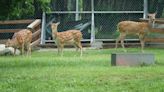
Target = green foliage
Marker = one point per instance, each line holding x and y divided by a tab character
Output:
45	5
48	72
22	9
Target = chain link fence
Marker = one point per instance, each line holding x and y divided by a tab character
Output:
106	24
103	15
68	22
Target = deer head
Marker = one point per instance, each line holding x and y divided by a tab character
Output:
54	26
9	43
152	19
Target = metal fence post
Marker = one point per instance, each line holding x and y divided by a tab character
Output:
42	42
92	24
77	9
145	9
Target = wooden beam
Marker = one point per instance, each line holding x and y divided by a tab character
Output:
9	30
35	43
157	30
160	40
16	22
157	20
34	24
36	33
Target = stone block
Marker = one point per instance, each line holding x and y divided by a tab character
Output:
132	59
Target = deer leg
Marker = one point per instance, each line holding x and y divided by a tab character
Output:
26	49
117	40
80	46
76	46
22	49
62	46
59	50
122	37
58	47
29	49
14	51
141	37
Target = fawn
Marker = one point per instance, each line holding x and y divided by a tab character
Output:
21	40
134	28
67	37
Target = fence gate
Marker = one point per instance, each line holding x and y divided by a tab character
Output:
97	19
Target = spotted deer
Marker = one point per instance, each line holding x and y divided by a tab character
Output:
135	28
72	37
21	40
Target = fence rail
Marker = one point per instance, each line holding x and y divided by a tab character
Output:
9	30
15	22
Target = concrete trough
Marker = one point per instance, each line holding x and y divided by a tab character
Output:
132	59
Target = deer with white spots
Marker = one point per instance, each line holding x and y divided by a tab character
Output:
21	40
72	37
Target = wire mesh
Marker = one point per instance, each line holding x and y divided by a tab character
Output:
68	22
106	24
118	5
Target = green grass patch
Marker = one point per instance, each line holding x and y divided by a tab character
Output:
48	72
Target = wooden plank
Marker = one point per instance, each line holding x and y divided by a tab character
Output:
9	30
159	40
16	22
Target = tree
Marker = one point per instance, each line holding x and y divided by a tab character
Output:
23	9
5	9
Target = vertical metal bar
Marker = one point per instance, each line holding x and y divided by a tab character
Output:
42	42
145	9
92	24
77	9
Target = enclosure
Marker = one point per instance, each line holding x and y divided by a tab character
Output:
97	19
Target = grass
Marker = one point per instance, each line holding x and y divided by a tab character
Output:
48	72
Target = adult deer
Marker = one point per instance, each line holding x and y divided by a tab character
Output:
134	28
67	37
21	40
